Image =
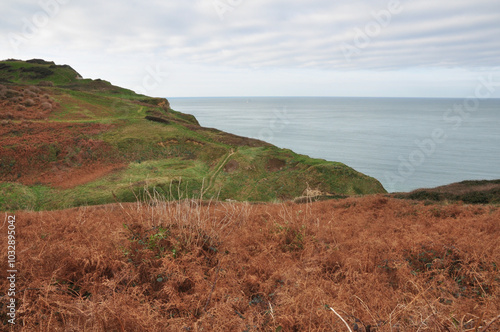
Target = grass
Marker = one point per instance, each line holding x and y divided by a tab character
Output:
163	265
32	73
96	145
469	192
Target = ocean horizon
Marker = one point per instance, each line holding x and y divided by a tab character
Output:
405	143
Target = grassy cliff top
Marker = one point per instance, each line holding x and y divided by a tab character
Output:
68	141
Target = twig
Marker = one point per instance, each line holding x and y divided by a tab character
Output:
490	323
213	288
121	206
239	314
347	325
22	290
366	308
272	312
430	306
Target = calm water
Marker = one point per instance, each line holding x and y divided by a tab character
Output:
405	143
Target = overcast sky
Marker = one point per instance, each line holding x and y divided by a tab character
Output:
406	48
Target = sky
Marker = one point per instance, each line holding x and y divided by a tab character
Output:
166	48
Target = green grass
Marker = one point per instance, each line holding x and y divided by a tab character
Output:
15	196
160	155
30	73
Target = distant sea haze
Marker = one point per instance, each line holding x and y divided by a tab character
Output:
405	143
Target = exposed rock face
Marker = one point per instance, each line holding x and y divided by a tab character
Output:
162	102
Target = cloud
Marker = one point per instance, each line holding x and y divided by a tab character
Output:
267	36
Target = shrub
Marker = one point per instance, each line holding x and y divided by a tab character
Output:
8	116
11	93
45	83
40	62
30	94
29	102
37	72
34	89
20	108
16	100
46	106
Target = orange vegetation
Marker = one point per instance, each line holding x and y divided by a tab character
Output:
28	103
54	153
382	264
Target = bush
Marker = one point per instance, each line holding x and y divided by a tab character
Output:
425	195
37	72
8	116
45	83
11	93
29	102
34	89
46	106
40	62
16	100
30	94
481	197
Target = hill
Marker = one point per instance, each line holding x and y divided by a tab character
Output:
470	192
383	264
68	141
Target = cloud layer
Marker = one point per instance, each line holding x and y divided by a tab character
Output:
222	41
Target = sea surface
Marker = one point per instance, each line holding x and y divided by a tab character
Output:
405	143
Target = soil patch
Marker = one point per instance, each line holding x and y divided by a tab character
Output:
72	177
275	164
231	166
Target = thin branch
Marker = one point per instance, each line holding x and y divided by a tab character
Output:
213	288
490	323
347	325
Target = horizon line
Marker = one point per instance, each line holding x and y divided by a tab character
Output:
391	97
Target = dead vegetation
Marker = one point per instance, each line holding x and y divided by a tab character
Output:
59	154
25	103
380	264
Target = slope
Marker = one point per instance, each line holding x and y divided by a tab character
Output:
68	141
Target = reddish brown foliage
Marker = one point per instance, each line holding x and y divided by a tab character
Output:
25	103
53	153
392	264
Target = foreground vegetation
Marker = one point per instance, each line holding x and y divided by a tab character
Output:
68	141
382	264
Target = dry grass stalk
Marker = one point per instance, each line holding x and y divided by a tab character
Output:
342	319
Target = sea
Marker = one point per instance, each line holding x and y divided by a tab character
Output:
405	143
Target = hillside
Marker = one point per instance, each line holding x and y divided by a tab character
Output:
470	192
68	141
383	264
